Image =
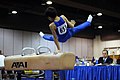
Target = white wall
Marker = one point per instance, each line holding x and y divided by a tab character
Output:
100	45
13	41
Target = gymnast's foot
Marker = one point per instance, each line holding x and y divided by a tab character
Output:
41	34
90	18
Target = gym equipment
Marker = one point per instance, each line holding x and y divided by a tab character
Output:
40	61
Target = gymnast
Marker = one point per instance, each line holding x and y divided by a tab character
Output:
59	27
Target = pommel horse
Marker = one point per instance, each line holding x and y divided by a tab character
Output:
37	61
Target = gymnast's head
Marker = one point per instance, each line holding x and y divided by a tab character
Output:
51	13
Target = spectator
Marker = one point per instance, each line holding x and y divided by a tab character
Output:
105	59
1	59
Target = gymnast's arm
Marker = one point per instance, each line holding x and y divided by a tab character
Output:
70	23
52	28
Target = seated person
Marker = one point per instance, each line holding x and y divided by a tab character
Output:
105	59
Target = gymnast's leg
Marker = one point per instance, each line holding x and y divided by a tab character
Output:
81	26
46	37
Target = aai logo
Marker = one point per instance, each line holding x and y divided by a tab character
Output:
19	65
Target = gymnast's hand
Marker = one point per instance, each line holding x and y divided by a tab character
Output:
57	51
73	22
